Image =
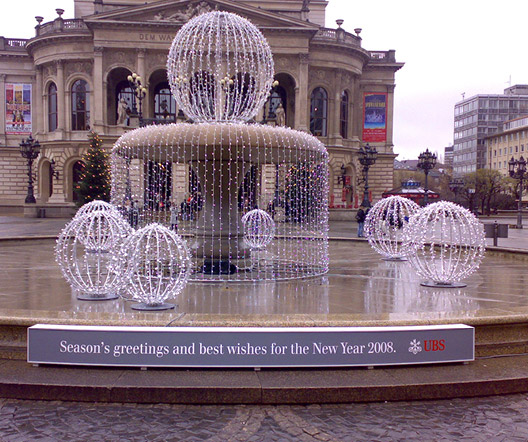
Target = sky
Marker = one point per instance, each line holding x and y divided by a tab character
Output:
449	48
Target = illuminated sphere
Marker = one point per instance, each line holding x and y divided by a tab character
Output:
384	226
155	265
85	250
94	205
220	68
447	242
259	228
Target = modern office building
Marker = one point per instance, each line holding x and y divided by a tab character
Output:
510	142
71	77
448	156
478	117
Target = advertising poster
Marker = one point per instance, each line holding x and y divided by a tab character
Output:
374	117
18	108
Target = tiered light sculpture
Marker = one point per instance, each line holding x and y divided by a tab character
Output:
85	251
154	266
259	228
220	70
384	226
448	244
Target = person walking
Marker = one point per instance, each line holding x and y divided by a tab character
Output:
360	218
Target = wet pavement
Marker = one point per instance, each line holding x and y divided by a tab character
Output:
498	418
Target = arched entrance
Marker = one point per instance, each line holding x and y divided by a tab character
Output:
45	181
118	88
77	169
285	93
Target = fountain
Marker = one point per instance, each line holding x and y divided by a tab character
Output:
220	69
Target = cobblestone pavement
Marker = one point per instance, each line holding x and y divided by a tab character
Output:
498	418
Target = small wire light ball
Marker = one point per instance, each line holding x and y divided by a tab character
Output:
384	226
220	68
85	250
94	205
155	266
448	243
259	228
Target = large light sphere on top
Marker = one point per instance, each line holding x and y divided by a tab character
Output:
448	243
384	226
220	68
259	228
155	265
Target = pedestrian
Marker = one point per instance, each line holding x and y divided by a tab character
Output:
360	218
174	217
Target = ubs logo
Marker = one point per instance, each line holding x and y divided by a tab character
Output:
434	345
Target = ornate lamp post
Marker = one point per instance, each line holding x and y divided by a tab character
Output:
30	150
426	162
455	186
517	169
140	91
367	157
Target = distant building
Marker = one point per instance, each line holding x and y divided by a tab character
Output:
478	117
448	156
72	77
510	142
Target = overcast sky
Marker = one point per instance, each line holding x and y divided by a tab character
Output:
449	48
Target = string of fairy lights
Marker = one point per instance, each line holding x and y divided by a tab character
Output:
220	69
253	204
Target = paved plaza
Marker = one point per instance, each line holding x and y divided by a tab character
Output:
493	419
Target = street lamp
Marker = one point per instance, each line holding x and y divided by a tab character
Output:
139	91
517	169
455	186
367	157
426	162
30	150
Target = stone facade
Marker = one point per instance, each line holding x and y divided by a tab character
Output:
107	41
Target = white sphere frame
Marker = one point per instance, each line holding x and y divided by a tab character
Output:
85	253
384	226
155	265
220	68
448	244
94	205
259	228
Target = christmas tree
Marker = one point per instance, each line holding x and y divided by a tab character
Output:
94	183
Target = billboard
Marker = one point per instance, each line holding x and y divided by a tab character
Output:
18	108
374	117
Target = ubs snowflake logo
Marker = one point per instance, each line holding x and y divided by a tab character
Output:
415	347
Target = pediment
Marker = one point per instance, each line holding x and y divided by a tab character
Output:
171	12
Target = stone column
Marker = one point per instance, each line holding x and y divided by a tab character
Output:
390	116
61	97
335	112
302	98
2	114
99	116
141	71
38	111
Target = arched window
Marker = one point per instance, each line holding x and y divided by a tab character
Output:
164	103
343	115
124	91
318	112
80	106
52	107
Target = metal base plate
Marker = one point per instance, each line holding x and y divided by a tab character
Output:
152	308
102	297
394	259
452	285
